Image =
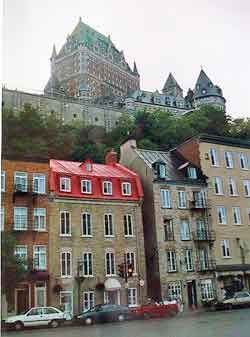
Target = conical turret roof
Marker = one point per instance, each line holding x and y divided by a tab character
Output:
205	87
171	87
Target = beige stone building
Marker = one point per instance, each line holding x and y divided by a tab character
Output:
226	163
95	227
177	227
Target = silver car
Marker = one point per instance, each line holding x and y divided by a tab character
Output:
240	299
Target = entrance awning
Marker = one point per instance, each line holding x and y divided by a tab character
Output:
112	284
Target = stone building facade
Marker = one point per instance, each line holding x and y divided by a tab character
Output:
226	163
177	227
94	227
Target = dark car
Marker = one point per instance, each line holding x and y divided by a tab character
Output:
105	313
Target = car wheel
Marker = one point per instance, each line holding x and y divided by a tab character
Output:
19	326
121	318
88	321
146	315
54	324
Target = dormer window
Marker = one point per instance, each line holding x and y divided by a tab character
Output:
86	186
204	91
126	189
65	184
160	169
107	187
192	173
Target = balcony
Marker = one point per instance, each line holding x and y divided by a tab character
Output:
205	265
22	191
199	204
28	227
204	235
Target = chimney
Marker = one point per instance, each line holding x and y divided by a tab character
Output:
111	157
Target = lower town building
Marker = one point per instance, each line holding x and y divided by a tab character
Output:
24	215
179	238
95	231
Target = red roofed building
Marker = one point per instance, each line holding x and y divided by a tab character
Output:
95	226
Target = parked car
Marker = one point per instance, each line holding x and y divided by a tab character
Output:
104	313
36	316
239	299
155	310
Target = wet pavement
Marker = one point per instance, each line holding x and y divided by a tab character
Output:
235	323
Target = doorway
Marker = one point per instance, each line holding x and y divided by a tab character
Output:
191	293
22	300
112	297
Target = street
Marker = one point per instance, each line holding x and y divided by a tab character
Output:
235	323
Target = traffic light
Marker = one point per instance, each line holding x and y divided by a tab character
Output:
130	270
121	271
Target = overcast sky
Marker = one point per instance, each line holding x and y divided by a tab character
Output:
162	36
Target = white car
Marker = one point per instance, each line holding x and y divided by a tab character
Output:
240	299
37	316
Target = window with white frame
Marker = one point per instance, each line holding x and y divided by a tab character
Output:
65	223
87	266
40	257
126	189
2	218
88	300
192	173
237	215
86	186
207	290
2	181
222	215
86	224
107	187
165	198
128	225
174	290
214	156
228	155
66	263
243	161
108	225
171	261
181	198
184	230
39	183
65	184
132	297
20	218
189	260
225	249
130	259
40	219
246	184
21	181
110	263
218	186
21	253
168	230
232	187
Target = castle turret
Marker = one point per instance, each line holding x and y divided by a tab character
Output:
171	87
135	71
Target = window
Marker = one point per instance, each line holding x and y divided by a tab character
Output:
88	300
108	225
86	224
185	231
39	219
21	181
225	248
110	264
192	173
214	157
132	297
243	161
232	187
199	199
207	291
87	267
86	186
218	186
174	290
107	187
162	170
21	253
222	215
2	218
39	183
40	297
189	260
229	159
165	198
2	181
65	223
65	184
126	189
168	230
39	257
66	263
171	261
237	215
130	259
203	259
246	184
128	225
181	198
20	218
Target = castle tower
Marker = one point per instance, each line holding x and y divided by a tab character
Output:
171	87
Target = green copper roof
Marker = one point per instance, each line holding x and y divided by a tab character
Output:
205	87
